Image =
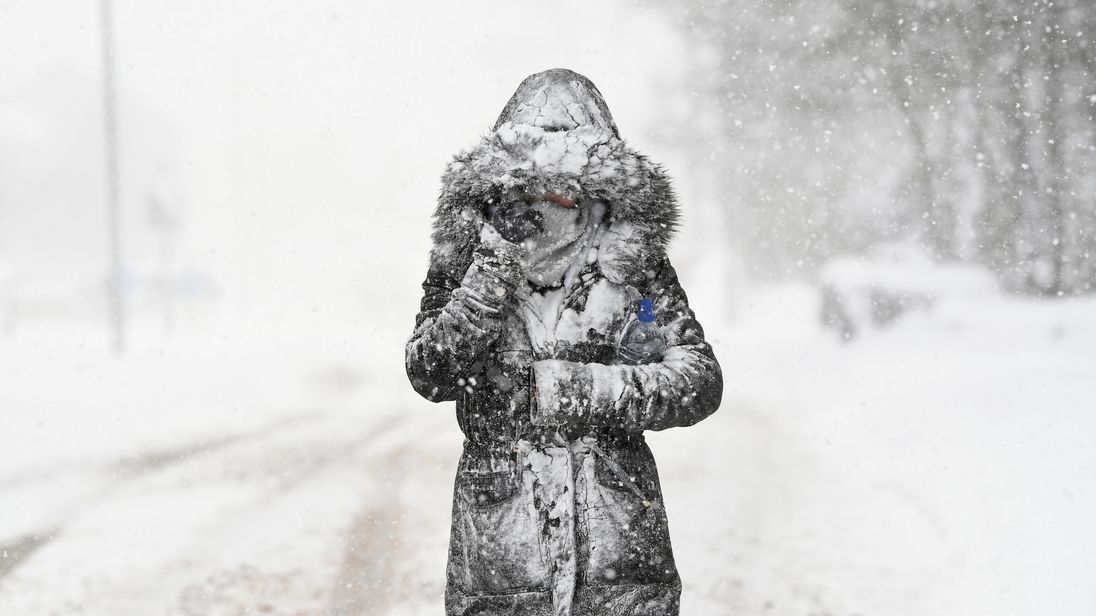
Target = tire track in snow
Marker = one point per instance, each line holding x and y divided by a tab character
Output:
241	589
367	549
153	460
371	580
368	576
15	551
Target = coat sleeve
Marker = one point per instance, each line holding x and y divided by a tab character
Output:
457	322
685	387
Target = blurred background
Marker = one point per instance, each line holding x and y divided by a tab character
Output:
214	221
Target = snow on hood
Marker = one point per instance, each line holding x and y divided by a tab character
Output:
555	100
555	131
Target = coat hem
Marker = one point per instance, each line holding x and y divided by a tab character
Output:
670	585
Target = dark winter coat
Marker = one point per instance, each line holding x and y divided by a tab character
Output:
557	506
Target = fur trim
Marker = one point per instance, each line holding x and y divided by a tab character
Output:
636	190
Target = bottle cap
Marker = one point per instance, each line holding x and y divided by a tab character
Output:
646	311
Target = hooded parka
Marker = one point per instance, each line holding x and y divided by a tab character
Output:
557	507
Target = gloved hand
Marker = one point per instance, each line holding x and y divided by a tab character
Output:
515	219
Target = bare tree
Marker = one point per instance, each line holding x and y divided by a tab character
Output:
994	100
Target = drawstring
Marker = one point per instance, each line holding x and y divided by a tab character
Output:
552	482
621	474
617	469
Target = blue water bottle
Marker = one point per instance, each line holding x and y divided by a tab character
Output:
642	342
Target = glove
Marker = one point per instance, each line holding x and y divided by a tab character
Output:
515	220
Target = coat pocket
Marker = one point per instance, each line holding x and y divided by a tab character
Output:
498	540
486	490
629	539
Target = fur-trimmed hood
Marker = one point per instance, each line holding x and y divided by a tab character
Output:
556	135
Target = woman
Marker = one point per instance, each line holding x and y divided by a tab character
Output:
546	237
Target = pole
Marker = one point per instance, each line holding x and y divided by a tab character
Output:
116	307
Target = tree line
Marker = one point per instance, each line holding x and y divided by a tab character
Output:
966	126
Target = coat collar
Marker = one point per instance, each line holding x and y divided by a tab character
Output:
642	208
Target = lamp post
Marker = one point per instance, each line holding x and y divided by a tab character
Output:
116	306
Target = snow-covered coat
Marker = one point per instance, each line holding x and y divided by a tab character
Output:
557	507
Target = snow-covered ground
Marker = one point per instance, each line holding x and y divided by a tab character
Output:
945	465
280	463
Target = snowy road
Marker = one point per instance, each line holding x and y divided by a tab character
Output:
309	514
939	468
